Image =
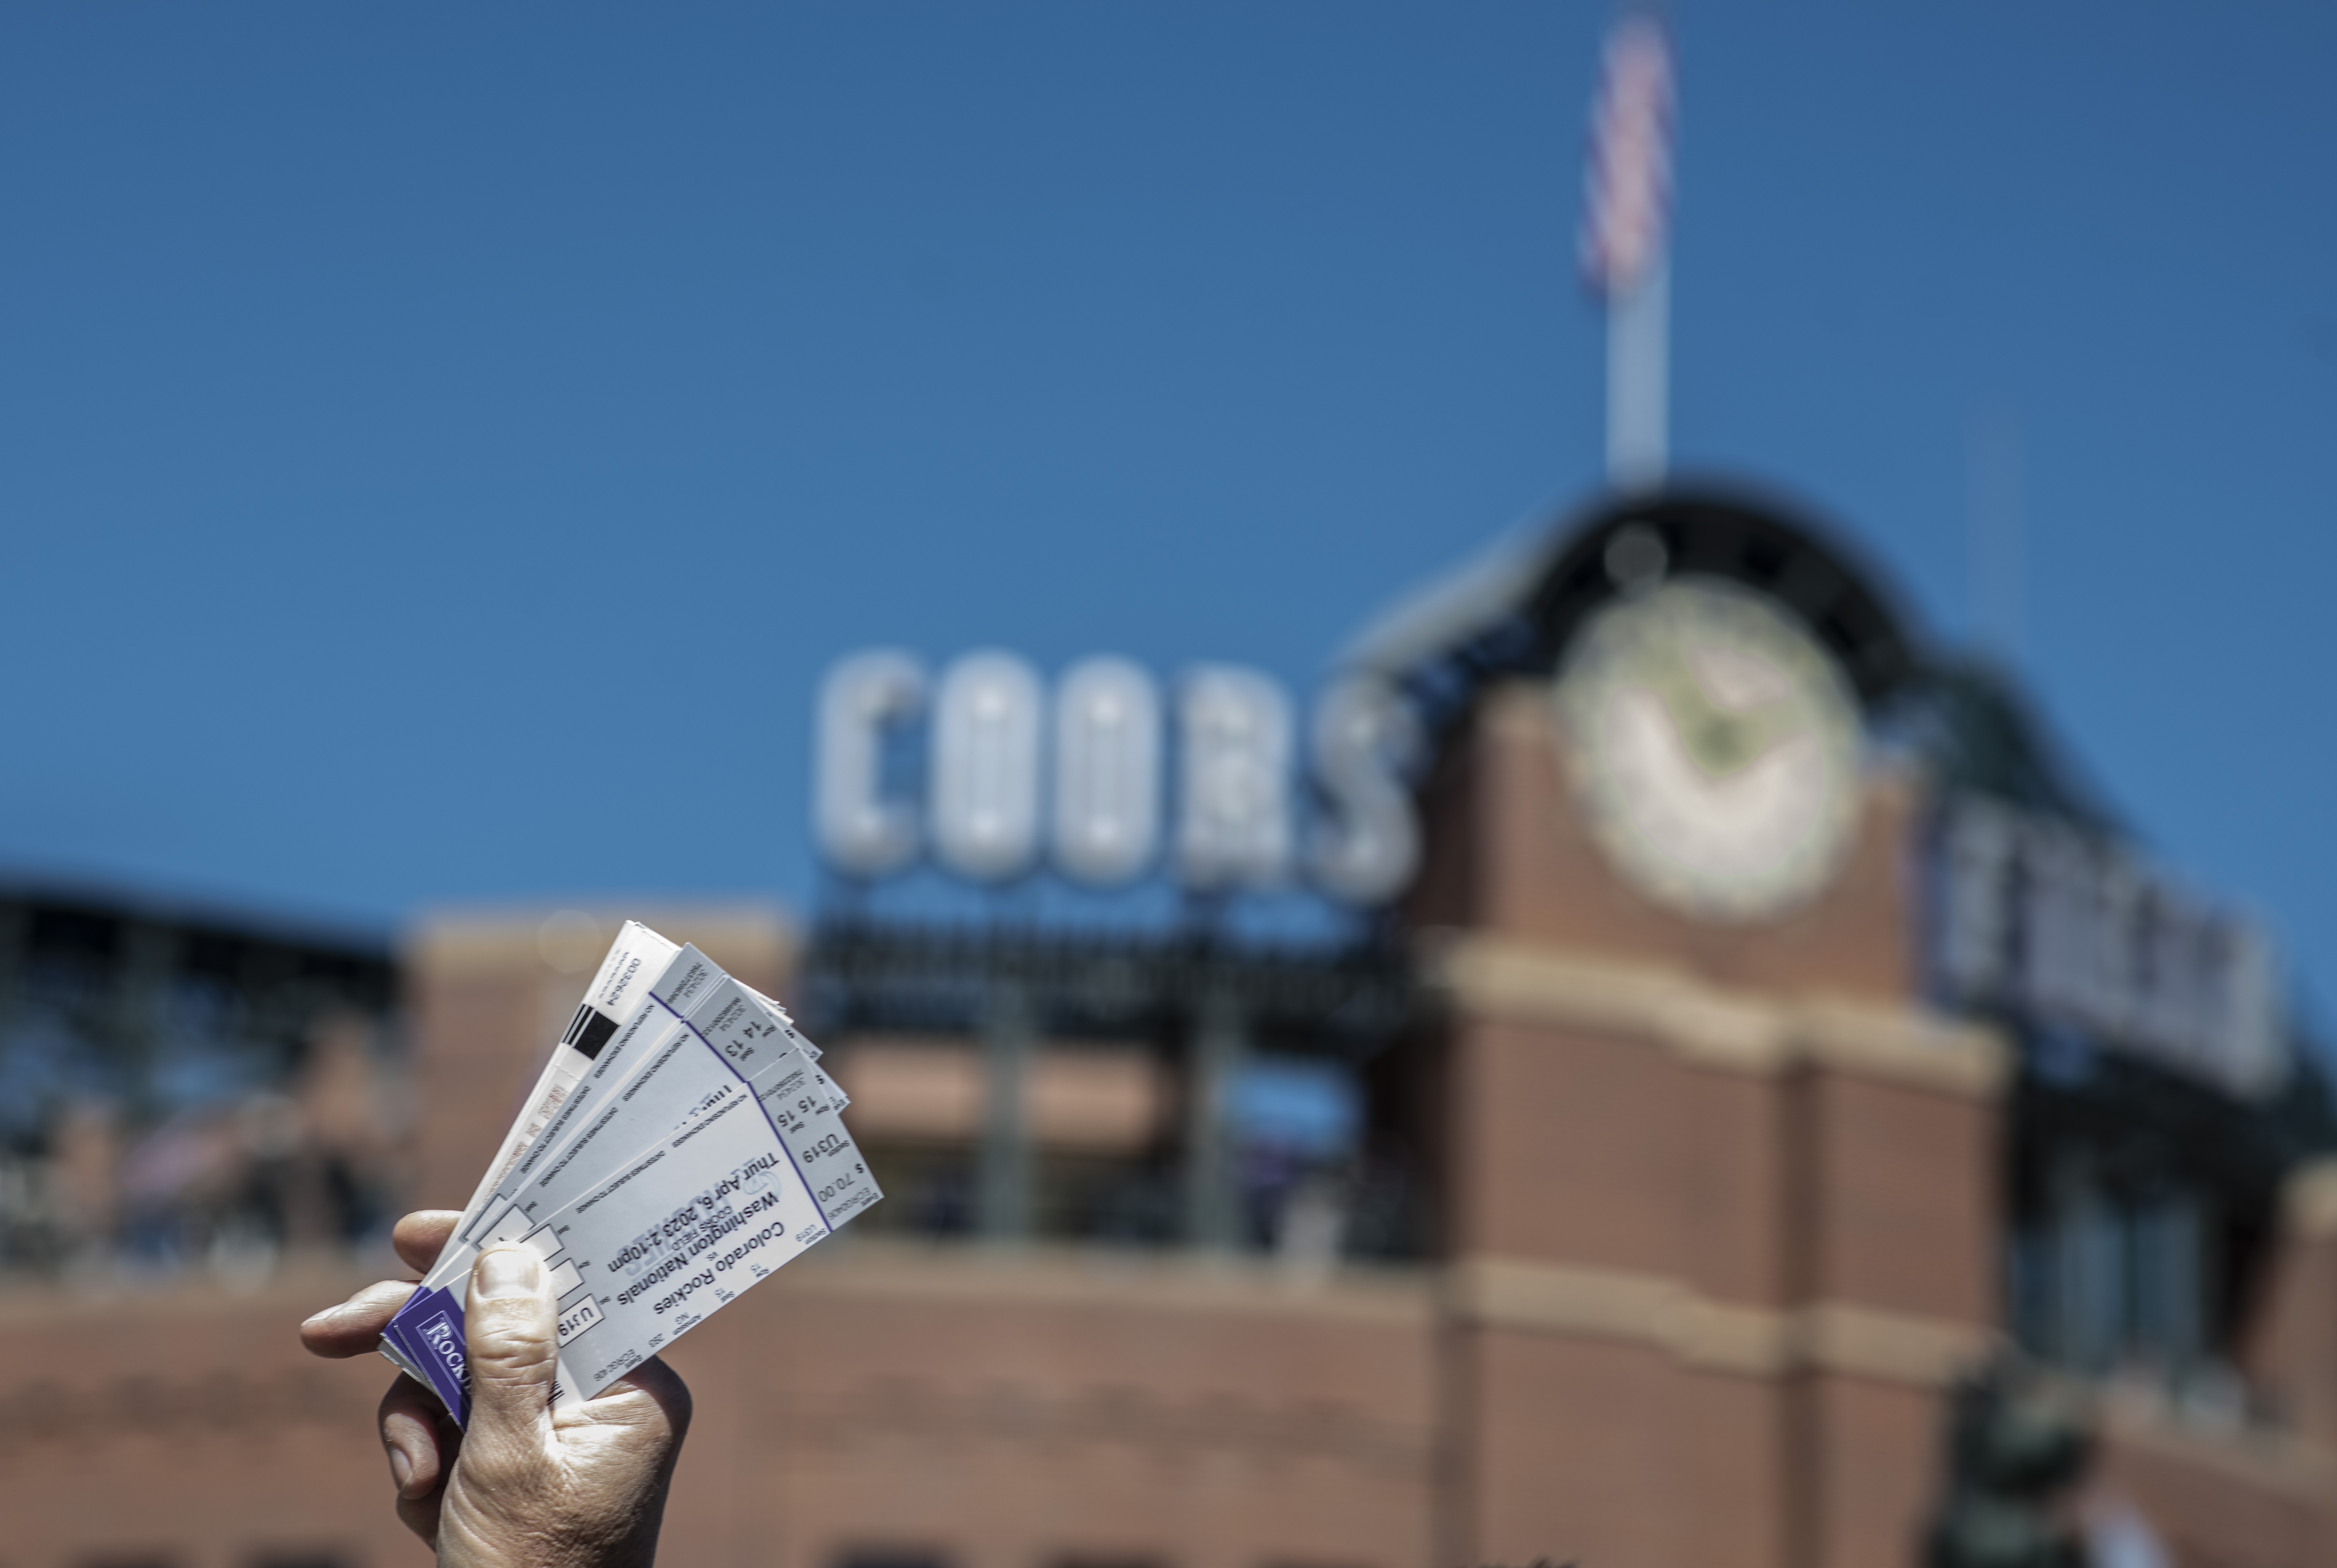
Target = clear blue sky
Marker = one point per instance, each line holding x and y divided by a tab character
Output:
396	402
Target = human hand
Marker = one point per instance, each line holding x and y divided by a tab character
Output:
525	1485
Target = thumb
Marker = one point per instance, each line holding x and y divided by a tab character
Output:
512	1335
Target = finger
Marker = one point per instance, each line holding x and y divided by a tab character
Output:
631	1433
650	1395
421	1235
420	1514
511	1332
355	1326
421	1444
415	1434
666	1391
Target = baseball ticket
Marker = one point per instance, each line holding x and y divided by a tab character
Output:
692	1151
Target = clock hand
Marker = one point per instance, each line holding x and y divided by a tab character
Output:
1720	740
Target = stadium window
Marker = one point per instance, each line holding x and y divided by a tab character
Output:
2104	1278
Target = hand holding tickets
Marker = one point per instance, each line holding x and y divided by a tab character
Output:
525	1485
680	1145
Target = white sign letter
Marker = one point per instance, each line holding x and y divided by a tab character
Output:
1975	903
1233	808
1107	770
862	833
1364	736
985	784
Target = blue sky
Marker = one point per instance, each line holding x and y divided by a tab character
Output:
398	406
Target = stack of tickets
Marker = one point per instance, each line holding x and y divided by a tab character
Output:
681	1144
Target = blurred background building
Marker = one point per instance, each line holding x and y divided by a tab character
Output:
1661	1062
190	1089
1743	1058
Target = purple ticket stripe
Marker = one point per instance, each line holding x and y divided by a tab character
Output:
429	1330
401	1320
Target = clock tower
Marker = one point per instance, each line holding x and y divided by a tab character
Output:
1720	1199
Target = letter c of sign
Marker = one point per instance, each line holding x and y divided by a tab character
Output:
861	832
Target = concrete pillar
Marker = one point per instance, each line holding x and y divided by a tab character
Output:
1212	1188
1002	1202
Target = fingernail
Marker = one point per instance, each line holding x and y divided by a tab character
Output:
401	1466
509	1271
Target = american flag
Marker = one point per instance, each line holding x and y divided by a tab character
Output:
1626	200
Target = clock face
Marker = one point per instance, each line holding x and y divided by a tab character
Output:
1713	750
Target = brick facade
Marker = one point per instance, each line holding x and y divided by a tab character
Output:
1720	1219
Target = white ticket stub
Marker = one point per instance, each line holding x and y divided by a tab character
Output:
653	1247
651	1030
701	1118
695	1065
683	1229
600	1060
618	991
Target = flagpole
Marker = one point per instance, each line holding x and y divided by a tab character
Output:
1626	250
1639	382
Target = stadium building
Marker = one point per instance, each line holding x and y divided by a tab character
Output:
1741	1103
